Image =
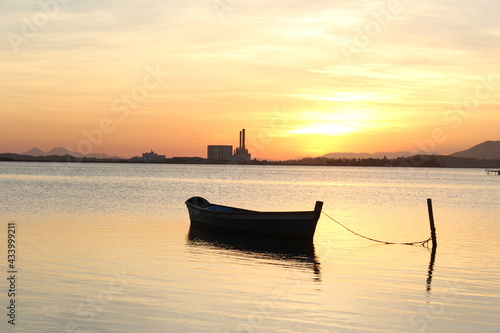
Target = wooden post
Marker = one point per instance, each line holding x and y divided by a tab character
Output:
431	220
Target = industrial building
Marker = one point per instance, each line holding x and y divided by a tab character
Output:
153	157
225	153
241	153
220	153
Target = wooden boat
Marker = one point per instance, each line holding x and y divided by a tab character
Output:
287	225
493	172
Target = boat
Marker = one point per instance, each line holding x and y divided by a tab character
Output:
285	225
493	172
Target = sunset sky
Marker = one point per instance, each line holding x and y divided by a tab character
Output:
304	78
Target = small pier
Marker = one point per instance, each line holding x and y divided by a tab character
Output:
493	172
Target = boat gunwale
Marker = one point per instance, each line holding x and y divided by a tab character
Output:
246	212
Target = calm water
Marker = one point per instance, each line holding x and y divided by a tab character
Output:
106	248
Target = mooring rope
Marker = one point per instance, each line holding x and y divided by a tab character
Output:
376	240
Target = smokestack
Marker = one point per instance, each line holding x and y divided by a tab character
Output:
243	139
239	146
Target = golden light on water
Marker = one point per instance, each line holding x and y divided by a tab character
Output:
107	247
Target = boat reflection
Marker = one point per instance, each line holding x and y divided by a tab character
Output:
296	254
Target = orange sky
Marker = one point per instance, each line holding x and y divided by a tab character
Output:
303	78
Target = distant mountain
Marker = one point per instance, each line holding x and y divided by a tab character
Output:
34	152
369	155
60	151
487	151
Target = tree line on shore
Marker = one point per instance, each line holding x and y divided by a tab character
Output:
429	161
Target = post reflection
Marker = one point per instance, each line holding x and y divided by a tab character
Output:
431	269
295	254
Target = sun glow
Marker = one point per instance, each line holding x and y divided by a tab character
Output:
326	129
334	122
340	97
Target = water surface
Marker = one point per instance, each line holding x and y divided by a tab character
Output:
108	248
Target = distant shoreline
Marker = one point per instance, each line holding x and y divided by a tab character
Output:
434	161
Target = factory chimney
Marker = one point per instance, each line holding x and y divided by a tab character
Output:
241	153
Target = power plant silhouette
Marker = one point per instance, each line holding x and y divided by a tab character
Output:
225	152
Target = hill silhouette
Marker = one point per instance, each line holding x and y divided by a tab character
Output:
34	152
487	150
60	151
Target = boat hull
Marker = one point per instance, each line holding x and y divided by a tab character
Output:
288	225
